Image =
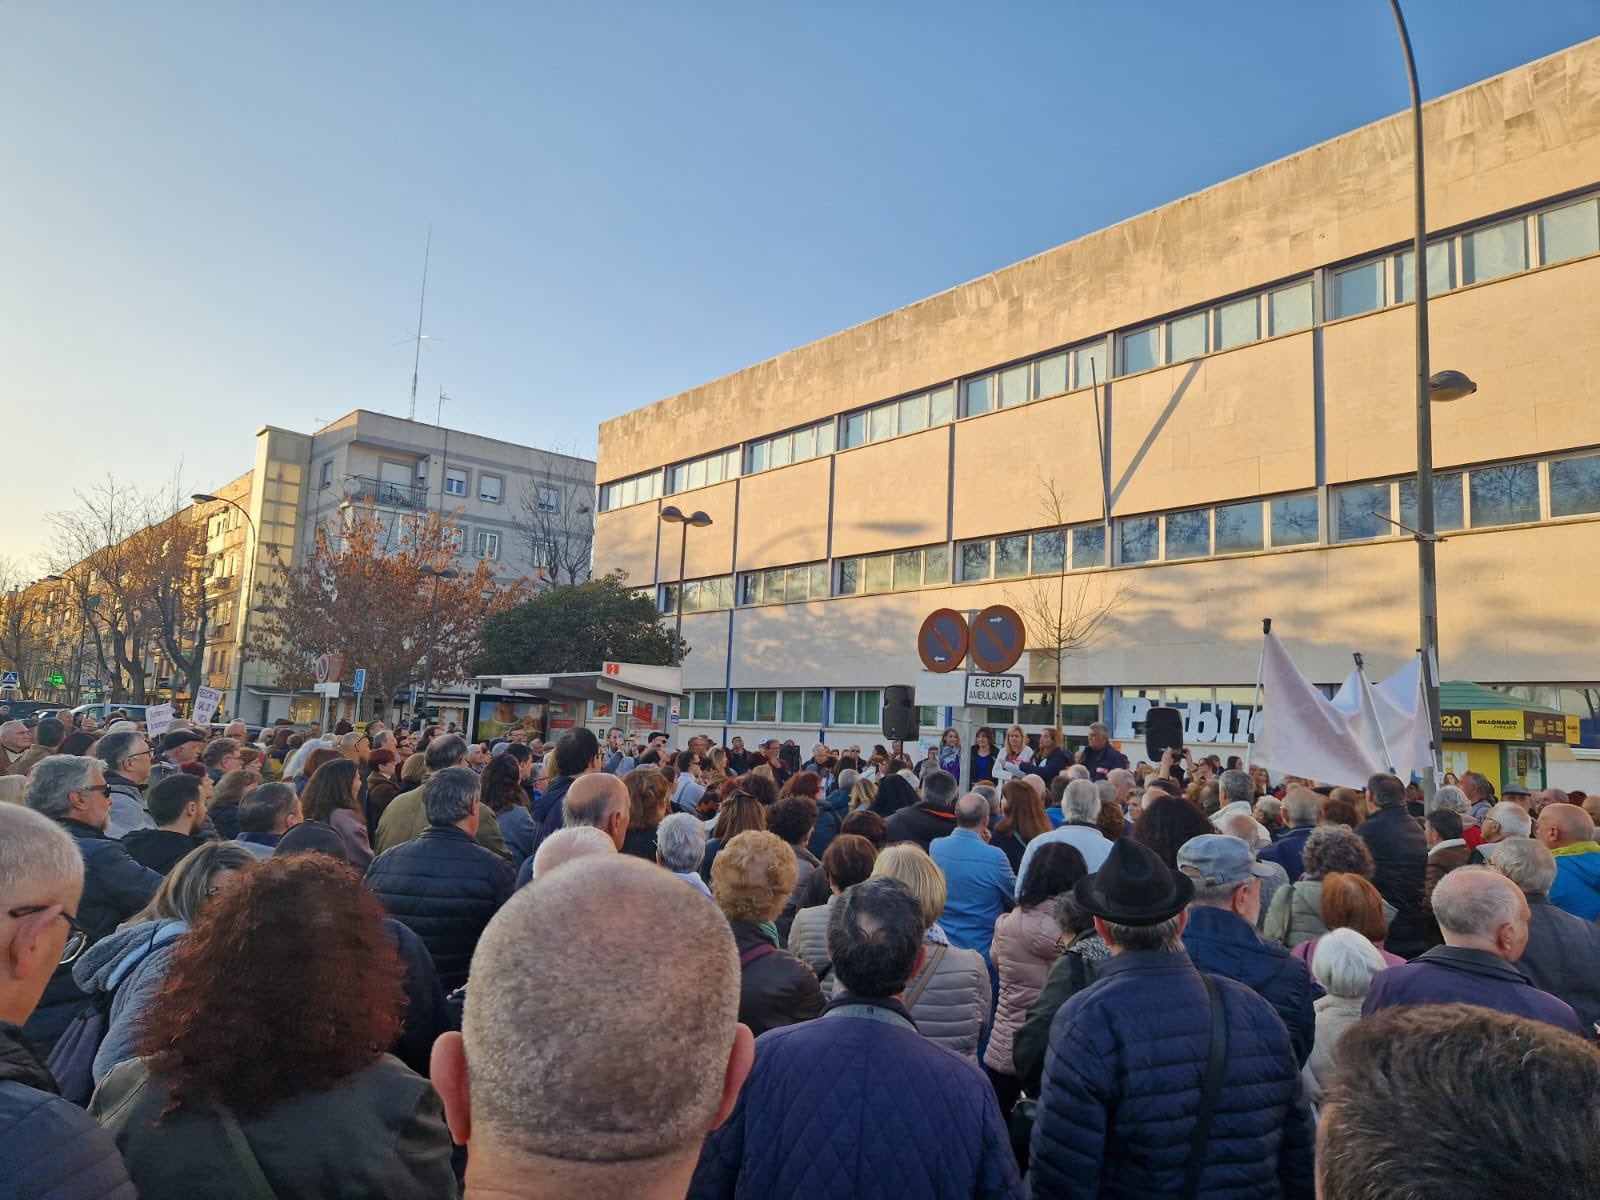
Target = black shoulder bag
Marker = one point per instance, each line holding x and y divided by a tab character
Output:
1209	1091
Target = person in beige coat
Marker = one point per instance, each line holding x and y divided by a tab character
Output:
1295	914
1027	942
949	998
1344	965
846	862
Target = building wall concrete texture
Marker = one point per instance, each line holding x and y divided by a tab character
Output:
1298	393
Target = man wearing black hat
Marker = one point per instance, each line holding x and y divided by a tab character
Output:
1194	1072
178	746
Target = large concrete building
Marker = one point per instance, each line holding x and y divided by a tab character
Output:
1246	453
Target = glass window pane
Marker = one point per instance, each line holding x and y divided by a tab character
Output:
792	707
1013	387
844	708
855	430
819	580
1141	350
811	710
1088	546
804	441
697	473
1441	272
1089	365
1494	252
767	706
1049	551
797	583
1359	512
1294	521
1238	322
714	466
719	706
1138	539
701	706
882	422
907	569
1238	527
691	596
772	589
1358	289
825	438
750	588
1011	556
1447	511
940	405
1569	232
1051	378
1189	533
677	478
1575	486
877	574
1505	495
849	576
1186	337
936	565
744	706
979	395
913	414
1289	309
974	561
755	458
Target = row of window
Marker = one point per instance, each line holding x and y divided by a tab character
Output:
704	471
1553	235
1222	529
1475	256
898	571
1042	553
798	706
1481	497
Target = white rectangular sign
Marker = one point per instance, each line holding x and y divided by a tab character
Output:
156	719
994	691
206	700
330	690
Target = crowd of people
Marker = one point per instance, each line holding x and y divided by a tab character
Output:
385	962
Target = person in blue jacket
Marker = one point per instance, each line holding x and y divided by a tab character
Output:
1121	1110
886	1113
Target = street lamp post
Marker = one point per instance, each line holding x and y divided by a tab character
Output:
1444	386
245	596
433	609
673	515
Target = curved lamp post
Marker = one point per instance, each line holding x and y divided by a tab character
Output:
674	516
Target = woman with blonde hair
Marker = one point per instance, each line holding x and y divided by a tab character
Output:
741	812
949	996
1013	755
751	881
862	795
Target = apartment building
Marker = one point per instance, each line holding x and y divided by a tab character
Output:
1197	418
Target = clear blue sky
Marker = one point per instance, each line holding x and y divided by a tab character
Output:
212	216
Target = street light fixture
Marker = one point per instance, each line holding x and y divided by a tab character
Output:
673	515
244	592
1445	386
436	574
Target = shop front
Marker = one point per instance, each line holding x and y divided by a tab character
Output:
1506	739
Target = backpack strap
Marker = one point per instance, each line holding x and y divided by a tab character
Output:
239	1145
755	952
1209	1091
928	968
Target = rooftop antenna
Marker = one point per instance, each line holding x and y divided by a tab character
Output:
416	360
438	415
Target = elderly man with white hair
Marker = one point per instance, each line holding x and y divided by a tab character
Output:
1505	820
681	847
15	739
1344	964
49	1147
1484	919
1563	953
1080	805
561	1082
594	801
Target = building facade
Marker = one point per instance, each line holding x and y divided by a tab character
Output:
1190	421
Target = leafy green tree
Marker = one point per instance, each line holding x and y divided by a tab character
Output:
576	629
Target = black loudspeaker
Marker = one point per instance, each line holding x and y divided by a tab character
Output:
1163	730
900	712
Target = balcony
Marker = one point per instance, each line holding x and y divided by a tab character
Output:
381	491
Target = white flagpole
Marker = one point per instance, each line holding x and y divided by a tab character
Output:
1372	712
1255	699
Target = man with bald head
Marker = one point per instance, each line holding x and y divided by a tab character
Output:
561	1082
1484	919
1568	833
566	845
978	877
594	800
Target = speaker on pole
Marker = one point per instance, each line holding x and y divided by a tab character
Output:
900	712
1163	730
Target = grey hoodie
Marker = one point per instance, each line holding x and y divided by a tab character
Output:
132	965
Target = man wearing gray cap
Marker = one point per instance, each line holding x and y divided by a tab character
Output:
1221	935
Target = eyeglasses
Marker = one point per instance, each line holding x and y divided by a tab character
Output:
103	788
141	754
77	938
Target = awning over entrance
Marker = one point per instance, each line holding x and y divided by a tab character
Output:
1469	713
656	690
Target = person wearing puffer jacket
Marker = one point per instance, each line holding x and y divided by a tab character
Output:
1027	942
949	998
847	861
750	881
131	964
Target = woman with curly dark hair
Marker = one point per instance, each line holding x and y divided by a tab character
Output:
296	951
500	790
1167	824
648	794
333	798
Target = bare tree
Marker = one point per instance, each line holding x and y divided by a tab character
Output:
555	523
26	644
1064	613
